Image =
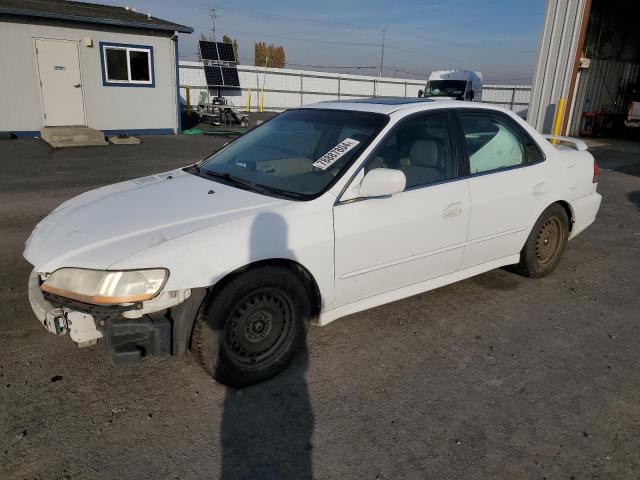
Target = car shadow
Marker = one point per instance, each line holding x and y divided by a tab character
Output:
266	429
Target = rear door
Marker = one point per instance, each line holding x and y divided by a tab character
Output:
506	184
383	244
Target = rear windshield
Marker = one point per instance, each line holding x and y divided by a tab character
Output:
299	153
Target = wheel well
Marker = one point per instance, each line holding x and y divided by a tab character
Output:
567	208
309	282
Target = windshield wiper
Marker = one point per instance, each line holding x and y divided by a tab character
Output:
236	181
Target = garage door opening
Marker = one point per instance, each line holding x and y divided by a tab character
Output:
606	95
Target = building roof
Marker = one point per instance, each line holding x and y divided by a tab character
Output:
87	12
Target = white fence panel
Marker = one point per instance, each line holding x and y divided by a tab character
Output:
286	88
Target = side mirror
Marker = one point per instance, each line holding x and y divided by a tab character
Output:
470	94
381	182
420	93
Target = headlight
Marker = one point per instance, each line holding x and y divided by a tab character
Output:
105	287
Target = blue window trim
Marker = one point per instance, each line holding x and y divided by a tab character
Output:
107	83
179	109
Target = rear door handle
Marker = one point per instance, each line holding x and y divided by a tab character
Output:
452	210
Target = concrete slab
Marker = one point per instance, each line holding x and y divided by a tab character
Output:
59	137
118	140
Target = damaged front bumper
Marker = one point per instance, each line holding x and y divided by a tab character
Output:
129	332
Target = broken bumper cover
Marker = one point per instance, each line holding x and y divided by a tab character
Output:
127	340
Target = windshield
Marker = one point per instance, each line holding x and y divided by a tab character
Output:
445	88
297	154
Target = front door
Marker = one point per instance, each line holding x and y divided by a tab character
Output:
60	82
383	244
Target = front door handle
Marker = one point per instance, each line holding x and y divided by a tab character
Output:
452	210
78	85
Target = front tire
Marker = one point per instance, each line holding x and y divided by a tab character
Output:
252	327
546	243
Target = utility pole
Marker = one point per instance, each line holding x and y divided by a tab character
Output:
214	17
384	31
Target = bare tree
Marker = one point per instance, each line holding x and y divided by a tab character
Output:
234	42
269	55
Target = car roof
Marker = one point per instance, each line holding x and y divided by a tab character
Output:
388	105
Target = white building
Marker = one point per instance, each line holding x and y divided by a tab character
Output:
78	64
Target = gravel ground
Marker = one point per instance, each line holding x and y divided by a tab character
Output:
494	377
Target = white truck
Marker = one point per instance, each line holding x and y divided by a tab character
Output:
453	85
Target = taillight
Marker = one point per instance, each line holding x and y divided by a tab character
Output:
596	171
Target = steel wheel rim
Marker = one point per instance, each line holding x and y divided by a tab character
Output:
549	240
258	326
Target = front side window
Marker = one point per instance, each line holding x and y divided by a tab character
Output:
127	65
298	154
494	143
421	148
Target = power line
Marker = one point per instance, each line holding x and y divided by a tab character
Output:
298	39
252	61
263	16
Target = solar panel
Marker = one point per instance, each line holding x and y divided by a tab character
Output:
213	76
230	76
225	52
208	50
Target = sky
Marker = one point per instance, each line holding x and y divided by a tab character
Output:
499	38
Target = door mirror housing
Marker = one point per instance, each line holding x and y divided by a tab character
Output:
471	94
420	93
382	182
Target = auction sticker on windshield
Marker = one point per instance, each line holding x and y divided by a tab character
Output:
335	153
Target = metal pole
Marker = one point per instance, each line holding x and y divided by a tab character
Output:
557	123
338	87
214	16
513	97
384	31
301	99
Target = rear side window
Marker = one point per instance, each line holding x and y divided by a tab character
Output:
493	142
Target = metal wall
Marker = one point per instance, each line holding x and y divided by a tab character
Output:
601	89
558	45
286	88
107	108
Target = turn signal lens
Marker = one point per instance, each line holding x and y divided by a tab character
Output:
596	171
106	287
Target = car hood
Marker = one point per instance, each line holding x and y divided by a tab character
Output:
102	226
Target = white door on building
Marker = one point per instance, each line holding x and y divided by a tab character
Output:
60	82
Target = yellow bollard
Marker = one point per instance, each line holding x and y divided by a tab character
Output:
262	102
249	101
557	122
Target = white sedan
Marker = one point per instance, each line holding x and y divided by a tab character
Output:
319	213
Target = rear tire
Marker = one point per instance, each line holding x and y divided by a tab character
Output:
253	327
546	243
